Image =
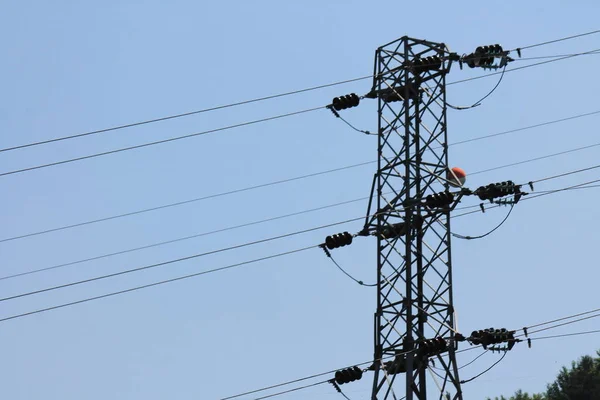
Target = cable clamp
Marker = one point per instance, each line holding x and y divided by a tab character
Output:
330	107
327	253
335	385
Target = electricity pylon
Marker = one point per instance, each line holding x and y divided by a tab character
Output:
414	322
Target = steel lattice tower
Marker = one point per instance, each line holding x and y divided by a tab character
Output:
414	270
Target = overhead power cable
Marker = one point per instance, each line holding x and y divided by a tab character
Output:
179	203
473	360
579	186
169	280
531	197
293	179
207	233
243	102
139	146
456	235
553	191
150	121
478	102
553	56
254	122
161	264
328	253
559	40
307	378
38	311
272	219
492	366
370	362
567	173
536	158
566	335
290	390
525	128
523	67
564	318
565	323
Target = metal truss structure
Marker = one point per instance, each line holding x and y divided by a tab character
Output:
414	267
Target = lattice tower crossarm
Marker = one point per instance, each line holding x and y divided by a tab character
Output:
414	269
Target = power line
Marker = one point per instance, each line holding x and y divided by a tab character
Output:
524	67
566	334
292	381
154	284
565	323
567	173
310	377
290	180
160	141
554	191
478	103
150	121
561	319
547	57
492	366
456	235
345	272
538	194
473	360
179	203
536	159
166	281
276	218
525	128
182	238
559	40
290	390
369	362
161	264
244	102
255	122
578	186
267	220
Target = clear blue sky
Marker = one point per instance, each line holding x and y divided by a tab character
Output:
69	67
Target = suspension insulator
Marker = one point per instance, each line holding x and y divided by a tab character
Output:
490	336
478	337
434	346
484	56
443	199
398	93
399	229
347	101
500	189
338	240
348	375
421	65
394	230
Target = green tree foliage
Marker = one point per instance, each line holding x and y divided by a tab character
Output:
520	395
580	382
